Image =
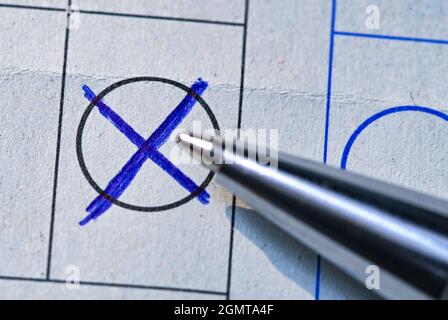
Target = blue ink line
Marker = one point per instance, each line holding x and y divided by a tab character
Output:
330	80
384	37
163	132
157	157
380	115
327	122
114	118
317	289
123	179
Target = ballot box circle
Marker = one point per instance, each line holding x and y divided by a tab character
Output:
82	124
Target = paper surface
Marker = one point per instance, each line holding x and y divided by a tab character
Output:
313	70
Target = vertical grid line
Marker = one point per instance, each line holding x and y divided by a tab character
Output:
58	141
327	124
240	110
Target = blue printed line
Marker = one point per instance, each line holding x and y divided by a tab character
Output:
385	37
380	115
330	79
317	289
327	123
122	180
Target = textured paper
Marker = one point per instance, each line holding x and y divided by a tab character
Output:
281	54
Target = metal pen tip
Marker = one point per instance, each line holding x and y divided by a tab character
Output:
194	143
202	151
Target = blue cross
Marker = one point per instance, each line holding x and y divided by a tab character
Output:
147	149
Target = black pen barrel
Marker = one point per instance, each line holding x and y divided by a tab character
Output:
353	221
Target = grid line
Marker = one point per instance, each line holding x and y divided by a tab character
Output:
125	15
327	124
58	143
20	6
393	38
141	16
333	34
240	110
116	285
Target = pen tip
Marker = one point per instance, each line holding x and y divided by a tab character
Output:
191	141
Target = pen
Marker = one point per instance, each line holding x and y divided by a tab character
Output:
351	220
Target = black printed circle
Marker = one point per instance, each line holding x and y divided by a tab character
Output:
80	155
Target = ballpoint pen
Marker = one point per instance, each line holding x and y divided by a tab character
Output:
351	220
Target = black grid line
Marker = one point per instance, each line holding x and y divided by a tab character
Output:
58	142
229	264
47	278
115	285
126	15
240	110
20	6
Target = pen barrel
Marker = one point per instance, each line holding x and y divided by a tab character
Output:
353	221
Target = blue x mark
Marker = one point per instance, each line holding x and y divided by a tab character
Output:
147	149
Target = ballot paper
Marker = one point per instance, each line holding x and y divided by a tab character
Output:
356	84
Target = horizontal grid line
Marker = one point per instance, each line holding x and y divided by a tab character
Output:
114	285
142	16
393	38
20	6
126	15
